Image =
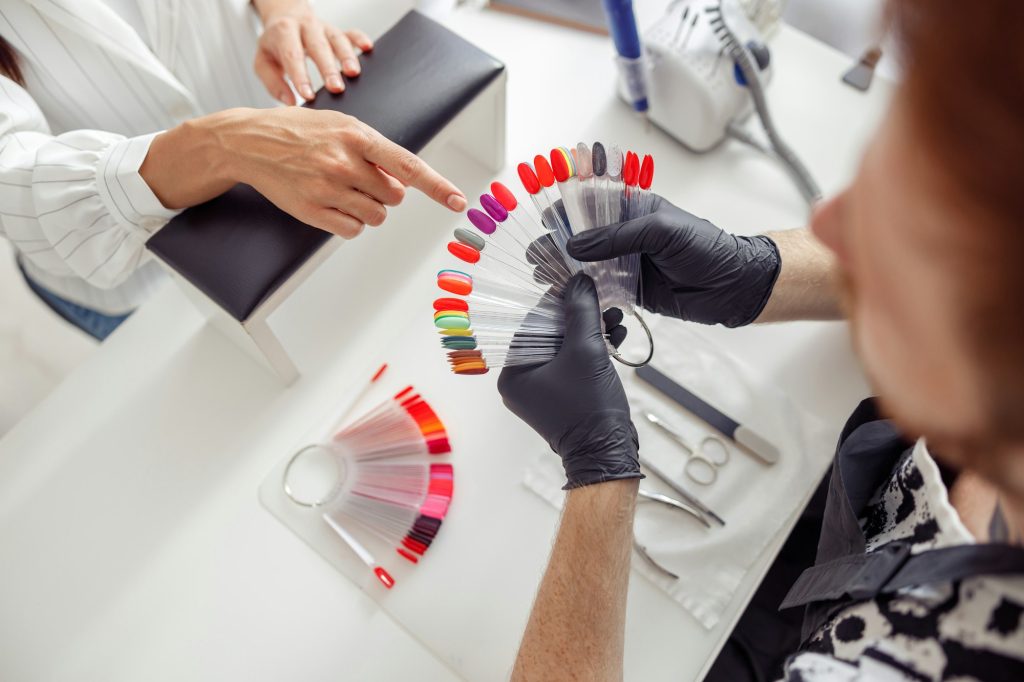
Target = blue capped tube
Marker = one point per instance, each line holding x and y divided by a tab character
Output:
622	26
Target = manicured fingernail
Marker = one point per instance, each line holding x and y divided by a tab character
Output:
306	91
457	202
350	66
334	82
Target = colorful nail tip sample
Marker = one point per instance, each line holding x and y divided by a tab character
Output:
504	196
647	172
509	311
494	207
394	489
455	282
471	239
481	221
599	160
529	179
543	169
464	252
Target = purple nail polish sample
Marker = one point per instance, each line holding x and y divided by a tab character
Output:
481	221
493	208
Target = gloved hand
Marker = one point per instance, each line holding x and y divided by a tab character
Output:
575	401
689	269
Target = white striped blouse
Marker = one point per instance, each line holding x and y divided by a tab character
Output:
73	138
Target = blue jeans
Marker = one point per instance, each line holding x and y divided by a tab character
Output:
96	324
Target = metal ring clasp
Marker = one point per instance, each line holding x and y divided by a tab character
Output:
650	340
315	503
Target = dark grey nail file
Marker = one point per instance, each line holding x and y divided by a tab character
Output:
743	435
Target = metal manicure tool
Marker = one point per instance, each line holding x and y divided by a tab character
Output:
642	551
683	494
752	442
669	502
705	457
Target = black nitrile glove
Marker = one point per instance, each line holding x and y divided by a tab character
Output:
689	269
575	401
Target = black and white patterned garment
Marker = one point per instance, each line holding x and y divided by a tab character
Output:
967	630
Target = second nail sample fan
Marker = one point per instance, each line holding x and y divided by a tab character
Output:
378	478
503	300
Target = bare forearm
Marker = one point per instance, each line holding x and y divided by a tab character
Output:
327	169
577	626
188	164
805	289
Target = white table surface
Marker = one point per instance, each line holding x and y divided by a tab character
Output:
132	544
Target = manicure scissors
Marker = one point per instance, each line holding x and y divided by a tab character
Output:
705	457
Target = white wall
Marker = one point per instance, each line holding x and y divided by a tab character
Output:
851	26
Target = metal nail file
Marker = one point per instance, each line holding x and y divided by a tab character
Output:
744	435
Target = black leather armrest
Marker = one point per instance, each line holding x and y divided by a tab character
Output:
239	248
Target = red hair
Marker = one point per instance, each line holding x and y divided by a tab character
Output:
964	89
